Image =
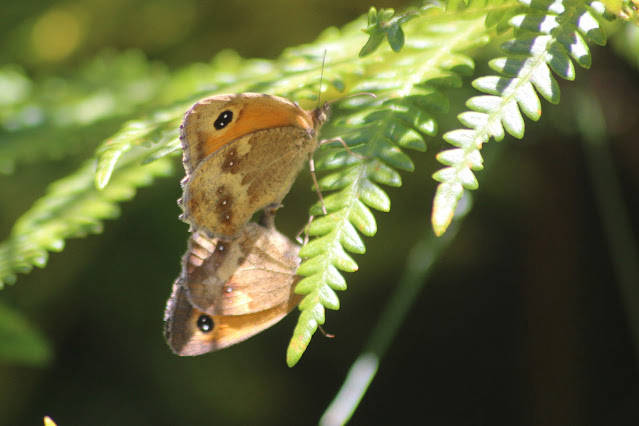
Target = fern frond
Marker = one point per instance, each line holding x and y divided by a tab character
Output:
407	92
428	51
156	136
548	36
52	118
73	207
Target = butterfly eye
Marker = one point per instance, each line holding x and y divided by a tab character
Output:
223	120
205	323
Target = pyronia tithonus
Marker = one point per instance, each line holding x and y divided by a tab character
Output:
242	153
229	291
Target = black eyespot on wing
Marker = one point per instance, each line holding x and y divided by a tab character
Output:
205	323
223	120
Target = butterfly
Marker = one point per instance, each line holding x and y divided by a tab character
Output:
241	154
230	290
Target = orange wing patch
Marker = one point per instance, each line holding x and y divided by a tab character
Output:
241	154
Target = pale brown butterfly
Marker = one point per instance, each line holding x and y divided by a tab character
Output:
242	153
229	291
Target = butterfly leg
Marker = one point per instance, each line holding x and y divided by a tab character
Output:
311	166
305	231
268	217
327	335
346	147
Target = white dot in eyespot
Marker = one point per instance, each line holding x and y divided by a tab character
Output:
205	323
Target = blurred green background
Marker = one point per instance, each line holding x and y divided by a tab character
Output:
522	321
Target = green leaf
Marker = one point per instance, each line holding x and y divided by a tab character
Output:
473	119
462	138
589	26
304	330
381	173
351	240
323	225
444	205
528	101
394	157
545	84
372	16
374	196
375	39
560	62
385	24
342	260
328	298
338	180
314	248
512	120
395	36
363	219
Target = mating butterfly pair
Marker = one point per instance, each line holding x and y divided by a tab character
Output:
241	154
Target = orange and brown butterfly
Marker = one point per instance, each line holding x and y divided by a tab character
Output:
242	153
231	290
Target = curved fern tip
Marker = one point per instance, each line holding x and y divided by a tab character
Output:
102	179
444	205
296	348
440	227
292	358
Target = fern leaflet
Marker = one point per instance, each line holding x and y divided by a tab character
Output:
548	36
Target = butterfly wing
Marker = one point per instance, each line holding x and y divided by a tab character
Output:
242	287
249	274
244	176
190	331
215	121
241	153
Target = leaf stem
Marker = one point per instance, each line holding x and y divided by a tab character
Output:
416	271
